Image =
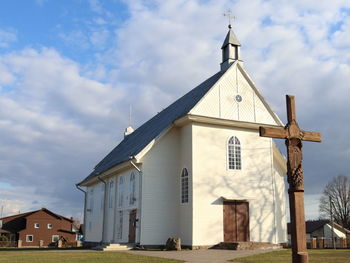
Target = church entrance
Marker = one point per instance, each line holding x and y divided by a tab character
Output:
132	226
236	221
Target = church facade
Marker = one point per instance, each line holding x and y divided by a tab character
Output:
197	170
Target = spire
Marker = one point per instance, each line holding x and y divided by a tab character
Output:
230	38
129	130
230	49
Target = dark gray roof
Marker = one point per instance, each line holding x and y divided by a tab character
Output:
230	39
311	225
141	137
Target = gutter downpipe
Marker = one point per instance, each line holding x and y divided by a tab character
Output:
140	195
84	215
104	216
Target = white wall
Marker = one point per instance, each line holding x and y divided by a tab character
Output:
280	203
185	210
220	101
95	217
160	190
94	214
212	180
328	232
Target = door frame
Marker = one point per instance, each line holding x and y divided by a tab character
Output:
132	226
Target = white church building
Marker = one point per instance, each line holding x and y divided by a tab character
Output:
198	170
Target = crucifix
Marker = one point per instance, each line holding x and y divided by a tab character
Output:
230	17
294	137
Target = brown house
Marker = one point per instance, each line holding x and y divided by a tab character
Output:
38	228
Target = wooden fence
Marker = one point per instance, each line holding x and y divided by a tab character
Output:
328	243
8	244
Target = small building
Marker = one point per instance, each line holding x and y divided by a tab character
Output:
198	170
37	228
323	229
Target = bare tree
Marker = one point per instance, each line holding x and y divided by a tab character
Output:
338	191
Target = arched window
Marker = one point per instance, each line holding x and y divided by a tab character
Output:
102	196
110	201
91	203
121	191
132	188
234	154
184	186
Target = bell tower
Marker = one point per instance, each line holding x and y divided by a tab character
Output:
230	49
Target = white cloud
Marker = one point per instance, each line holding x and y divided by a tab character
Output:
55	110
7	36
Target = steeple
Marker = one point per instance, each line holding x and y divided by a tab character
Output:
230	49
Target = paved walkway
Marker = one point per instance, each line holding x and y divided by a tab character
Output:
200	256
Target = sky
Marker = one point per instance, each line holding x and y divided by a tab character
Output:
70	69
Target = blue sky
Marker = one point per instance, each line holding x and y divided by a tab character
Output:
70	69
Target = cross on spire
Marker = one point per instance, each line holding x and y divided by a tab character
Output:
230	17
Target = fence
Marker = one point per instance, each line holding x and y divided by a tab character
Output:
328	243
8	244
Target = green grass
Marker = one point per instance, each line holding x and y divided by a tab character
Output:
315	256
66	256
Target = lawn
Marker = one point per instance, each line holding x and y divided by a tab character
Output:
315	256
74	256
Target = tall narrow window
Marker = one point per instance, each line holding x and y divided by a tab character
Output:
184	186
111	187
91	200
120	226
102	196
234	154
121	191
132	189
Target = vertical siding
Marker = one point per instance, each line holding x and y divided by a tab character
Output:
212	181
220	101
113	224
94	217
185	210
280	197
160	190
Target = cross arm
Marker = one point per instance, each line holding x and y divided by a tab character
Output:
279	133
311	136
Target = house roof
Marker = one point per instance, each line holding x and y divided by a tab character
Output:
313	225
141	137
3	231
14	223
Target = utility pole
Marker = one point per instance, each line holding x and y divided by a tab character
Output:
330	209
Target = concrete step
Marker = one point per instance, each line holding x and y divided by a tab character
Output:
114	246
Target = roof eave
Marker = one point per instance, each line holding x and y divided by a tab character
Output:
126	165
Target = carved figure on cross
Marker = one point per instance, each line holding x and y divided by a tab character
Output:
294	137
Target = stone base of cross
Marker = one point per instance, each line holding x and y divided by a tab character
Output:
294	137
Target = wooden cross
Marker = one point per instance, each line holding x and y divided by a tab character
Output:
294	137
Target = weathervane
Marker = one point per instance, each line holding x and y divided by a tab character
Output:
228	13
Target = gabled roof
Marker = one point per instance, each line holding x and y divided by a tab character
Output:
27	214
141	137
313	225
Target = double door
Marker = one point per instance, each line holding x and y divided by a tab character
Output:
236	221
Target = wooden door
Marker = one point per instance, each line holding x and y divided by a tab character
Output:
236	221
132	226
